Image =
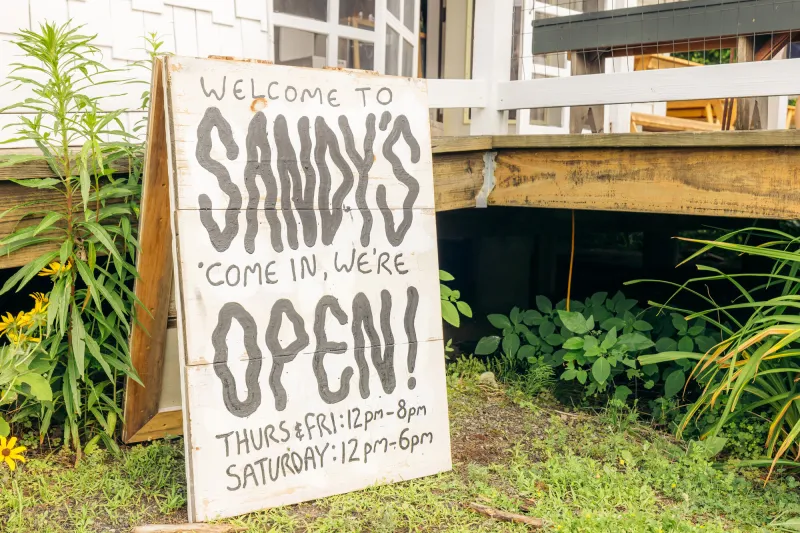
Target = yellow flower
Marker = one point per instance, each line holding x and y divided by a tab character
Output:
674	485
6	321
55	268
9	453
41	302
622	462
18	338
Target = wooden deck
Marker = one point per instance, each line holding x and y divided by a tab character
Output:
733	174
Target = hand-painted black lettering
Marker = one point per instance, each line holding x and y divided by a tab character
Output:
218	96
330	208
385	365
398	264
253	90
238	90
228	312
254	269
281	355
311	95
332	98
363	262
238	278
382	259
388	100
292	191
234	475
269	274
220	239
225	436
363	91
259	163
306	266
401	126
324	346
208	275
304	198
411	332
293	93
363	166
344	267
269	91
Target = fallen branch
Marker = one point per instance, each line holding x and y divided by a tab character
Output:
188	528
505	516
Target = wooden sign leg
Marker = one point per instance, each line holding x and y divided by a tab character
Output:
148	339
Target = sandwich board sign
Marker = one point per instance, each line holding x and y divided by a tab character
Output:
304	242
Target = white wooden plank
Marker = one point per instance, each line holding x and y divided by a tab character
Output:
449	94
251	9
258	278
16	16
191	104
765	78
128	26
48	10
368	458
255	42
491	61
185	28
208	38
96	16
151	6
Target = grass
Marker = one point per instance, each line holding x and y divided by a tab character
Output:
580	472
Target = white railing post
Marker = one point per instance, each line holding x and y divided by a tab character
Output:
491	61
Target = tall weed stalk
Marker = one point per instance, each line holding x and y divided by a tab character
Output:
756	367
88	235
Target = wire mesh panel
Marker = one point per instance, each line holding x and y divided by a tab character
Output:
563	38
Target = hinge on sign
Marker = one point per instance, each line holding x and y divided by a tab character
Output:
488	180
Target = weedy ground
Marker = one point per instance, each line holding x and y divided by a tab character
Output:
580	472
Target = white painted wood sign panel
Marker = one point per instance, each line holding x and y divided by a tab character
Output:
307	283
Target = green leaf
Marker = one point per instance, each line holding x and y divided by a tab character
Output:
621	393
680	323
78	340
445	292
641	325
100	233
554	340
532	339
612	322
665	344
515	316
464	308
582	375
40	387
599	297
528	317
42	183
624	305
5	429
445	276
569	374
694	331
574	321
601	370
610	339
487	345
544	304
674	383
650	369
574	343
685	344
546	329
48	220
704	343
499	321
26	273
526	351
450	314
511	344
635	341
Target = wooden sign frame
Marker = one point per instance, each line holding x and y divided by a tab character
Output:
144	419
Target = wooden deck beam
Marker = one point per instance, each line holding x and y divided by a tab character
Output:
734	174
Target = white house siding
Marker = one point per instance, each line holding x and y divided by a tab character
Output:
201	28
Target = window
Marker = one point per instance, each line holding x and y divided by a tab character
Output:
299	48
317	33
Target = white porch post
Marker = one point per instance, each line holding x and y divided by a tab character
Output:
491	61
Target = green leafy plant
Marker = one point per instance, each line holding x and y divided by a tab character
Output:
452	306
90	239
755	367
